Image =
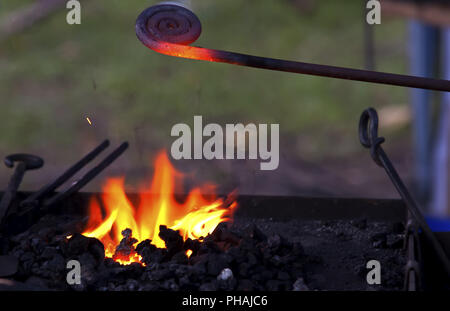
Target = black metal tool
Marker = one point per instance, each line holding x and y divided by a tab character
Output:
23	162
413	275
368	136
88	176
36	199
169	28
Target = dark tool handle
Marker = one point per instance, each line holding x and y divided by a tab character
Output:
11	190
88	176
35	197
24	162
155	31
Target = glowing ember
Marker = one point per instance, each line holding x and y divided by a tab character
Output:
195	218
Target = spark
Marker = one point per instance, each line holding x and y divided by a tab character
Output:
89	120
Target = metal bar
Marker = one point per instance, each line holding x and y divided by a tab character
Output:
11	190
88	176
155	32
413	279
35	197
368	135
23	163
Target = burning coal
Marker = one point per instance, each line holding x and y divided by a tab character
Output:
122	225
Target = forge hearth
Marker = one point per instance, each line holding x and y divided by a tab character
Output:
273	243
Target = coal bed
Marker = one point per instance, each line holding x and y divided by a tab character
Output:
273	244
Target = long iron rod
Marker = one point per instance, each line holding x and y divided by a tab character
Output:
168	29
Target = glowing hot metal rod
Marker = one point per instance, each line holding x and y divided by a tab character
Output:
169	28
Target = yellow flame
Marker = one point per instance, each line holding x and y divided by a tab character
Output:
195	218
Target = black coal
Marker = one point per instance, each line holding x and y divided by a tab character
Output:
249	255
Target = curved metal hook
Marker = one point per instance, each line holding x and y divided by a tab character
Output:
368	133
368	136
169	28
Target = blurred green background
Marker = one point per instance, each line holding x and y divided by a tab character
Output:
54	75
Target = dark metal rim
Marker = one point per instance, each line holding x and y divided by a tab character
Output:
31	162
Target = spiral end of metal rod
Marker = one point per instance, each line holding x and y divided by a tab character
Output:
168	22
368	133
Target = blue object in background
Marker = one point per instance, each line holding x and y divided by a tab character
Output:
423	44
438	224
440	186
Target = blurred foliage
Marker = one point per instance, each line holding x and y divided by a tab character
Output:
55	75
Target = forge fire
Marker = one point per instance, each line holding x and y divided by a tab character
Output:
278	158
124	225
159	240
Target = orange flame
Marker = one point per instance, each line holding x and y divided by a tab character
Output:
194	218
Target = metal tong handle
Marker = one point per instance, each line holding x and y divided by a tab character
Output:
37	196
368	136
35	199
91	174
